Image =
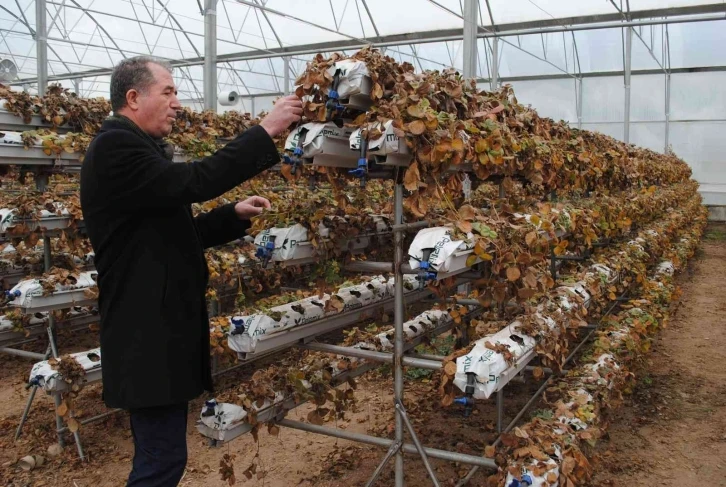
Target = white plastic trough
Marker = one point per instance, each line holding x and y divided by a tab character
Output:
388	149
258	333
12	151
447	257
28	294
51	381
324	144
293	247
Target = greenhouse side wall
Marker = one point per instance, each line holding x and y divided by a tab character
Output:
697	130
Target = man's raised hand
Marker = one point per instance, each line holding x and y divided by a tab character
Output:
286	111
250	207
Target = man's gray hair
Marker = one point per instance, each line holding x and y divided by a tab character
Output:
132	74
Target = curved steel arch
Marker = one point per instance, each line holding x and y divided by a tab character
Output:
32	32
100	27
171	16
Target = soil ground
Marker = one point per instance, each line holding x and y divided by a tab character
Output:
671	431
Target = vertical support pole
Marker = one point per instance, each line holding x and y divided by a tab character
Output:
214	311
667	114
398	325
26	411
471	17
252	105
628	62
579	103
210	55
77	86
41	181
51	320
58	420
46	253
495	64
41	46
500	410
286	60
51	338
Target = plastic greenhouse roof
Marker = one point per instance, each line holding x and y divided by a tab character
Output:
86	35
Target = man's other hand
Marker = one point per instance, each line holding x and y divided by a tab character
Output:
250	207
286	111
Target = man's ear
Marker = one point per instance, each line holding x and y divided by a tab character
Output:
132	99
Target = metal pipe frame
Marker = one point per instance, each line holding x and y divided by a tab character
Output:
398	323
92	419
416	443
384	357
277	411
41	46
666	148
400	227
494	81
607	74
628	61
386	443
500	410
286	75
10	338
579	101
572	24
592	329
669	70
210	55
22	353
377	472
306	333
52	350
470	17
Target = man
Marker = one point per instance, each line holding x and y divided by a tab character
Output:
152	273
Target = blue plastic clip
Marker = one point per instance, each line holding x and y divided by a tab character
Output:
361	171
295	160
210	407
331	105
425	274
525	482
265	252
238	325
35	381
13	294
464	401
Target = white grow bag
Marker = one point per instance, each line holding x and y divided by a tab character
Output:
491	370
446	256
43	374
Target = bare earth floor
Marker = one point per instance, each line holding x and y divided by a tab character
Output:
671	431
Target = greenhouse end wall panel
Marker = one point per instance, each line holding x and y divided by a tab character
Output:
697	119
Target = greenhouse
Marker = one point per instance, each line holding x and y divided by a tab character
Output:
573	61
434	242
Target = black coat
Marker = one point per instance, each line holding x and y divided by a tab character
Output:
152	274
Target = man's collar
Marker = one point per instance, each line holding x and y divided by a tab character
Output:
123	122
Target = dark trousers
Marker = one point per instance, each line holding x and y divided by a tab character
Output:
160	445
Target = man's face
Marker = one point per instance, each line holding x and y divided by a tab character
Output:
158	104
